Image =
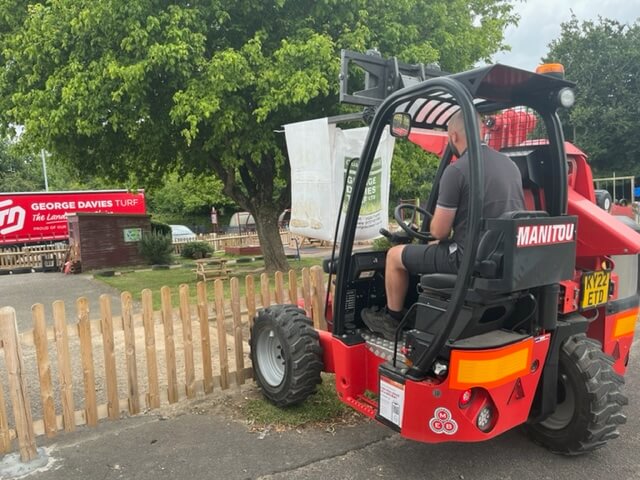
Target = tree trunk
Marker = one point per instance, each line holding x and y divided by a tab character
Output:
269	235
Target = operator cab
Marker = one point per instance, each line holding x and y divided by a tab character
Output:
507	285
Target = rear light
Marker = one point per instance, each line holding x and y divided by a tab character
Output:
484	421
465	398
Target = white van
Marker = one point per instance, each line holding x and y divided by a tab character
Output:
182	233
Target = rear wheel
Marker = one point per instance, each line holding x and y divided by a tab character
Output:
286	354
603	200
590	401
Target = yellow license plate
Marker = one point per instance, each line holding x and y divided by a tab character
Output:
595	289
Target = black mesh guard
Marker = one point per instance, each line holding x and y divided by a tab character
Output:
494	88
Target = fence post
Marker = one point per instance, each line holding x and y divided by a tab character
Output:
64	365
187	342
5	435
250	296
153	395
126	301
279	287
169	344
108	341
17	386
293	287
237	330
318	297
265	296
86	358
306	290
222	334
205	337
44	369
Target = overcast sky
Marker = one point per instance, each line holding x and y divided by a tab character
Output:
540	24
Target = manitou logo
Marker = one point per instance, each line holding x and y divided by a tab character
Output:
11	218
534	235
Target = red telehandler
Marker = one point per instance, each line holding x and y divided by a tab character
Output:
535	329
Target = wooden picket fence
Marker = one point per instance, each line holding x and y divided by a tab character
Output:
28	257
220	242
78	371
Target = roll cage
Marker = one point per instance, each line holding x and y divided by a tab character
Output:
431	99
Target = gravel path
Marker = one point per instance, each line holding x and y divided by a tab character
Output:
21	291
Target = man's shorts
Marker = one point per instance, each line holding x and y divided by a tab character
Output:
442	257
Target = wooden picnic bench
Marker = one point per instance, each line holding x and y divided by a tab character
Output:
211	269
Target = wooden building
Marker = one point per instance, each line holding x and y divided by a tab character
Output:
104	240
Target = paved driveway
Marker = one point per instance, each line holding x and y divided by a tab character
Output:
21	291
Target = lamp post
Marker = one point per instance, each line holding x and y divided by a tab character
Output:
44	170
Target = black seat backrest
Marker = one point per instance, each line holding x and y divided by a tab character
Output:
490	249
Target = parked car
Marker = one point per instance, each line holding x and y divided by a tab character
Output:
182	233
241	222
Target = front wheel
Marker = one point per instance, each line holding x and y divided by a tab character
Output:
286	354
590	401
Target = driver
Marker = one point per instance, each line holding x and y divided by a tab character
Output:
502	193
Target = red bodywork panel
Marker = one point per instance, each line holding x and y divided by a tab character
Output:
432	410
600	234
616	334
432	141
356	370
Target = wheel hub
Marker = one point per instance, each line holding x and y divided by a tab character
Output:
270	359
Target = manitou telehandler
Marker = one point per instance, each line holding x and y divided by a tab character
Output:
535	329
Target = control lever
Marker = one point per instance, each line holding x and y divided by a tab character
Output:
398	238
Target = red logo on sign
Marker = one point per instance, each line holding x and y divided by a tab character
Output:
443	422
11	217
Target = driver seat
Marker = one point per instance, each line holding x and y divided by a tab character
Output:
484	309
489	258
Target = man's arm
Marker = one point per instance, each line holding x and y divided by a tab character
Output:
442	222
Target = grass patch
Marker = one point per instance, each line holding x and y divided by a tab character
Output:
322	408
134	281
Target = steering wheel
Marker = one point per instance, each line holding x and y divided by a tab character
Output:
407	227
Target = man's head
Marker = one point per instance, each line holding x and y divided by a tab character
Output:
457	135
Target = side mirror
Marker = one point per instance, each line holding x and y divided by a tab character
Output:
400	125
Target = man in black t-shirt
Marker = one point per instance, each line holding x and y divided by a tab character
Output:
502	193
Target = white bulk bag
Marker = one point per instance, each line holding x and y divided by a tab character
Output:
319	153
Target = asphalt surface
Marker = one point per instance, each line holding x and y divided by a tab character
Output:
199	440
21	291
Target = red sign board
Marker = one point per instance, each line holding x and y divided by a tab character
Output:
36	217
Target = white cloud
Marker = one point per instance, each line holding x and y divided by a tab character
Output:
540	24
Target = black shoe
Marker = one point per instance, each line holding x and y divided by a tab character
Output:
380	321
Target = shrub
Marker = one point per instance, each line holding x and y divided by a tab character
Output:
381	244
160	228
196	250
156	248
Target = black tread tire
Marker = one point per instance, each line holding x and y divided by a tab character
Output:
603	200
301	352
598	400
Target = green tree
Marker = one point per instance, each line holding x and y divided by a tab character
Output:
186	195
126	89
412	173
19	172
603	57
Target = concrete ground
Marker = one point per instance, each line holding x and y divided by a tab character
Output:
206	439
